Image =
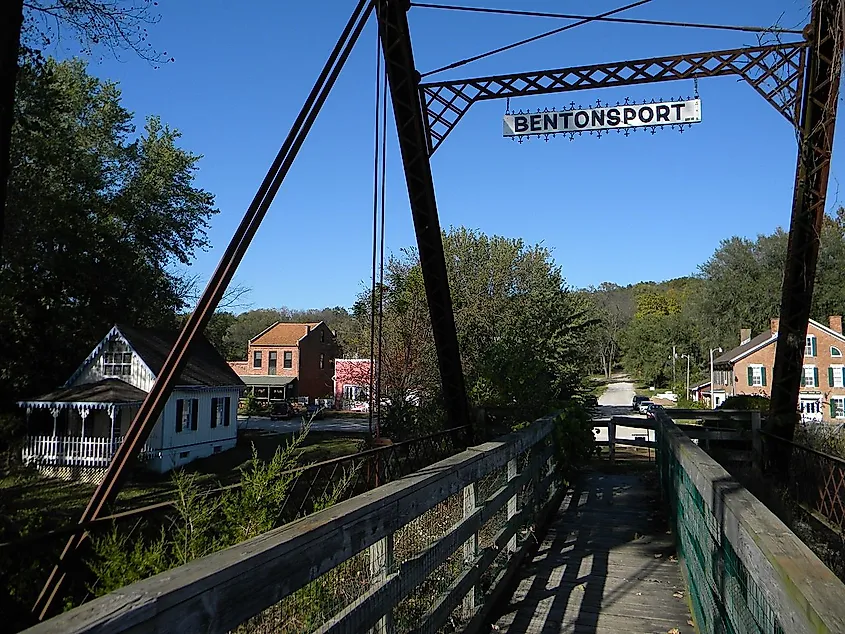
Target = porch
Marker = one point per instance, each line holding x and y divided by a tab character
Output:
74	451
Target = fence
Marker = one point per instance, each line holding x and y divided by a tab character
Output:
745	570
73	451
816	481
429	552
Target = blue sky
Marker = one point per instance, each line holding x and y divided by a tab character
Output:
611	209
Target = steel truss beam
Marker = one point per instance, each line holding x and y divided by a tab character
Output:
818	121
775	72
404	80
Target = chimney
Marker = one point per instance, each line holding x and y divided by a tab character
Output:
836	323
775	324
307	328
744	336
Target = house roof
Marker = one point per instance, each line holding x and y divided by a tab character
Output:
740	351
264	379
113	391
205	366
283	334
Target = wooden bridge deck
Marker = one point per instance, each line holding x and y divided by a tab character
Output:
607	565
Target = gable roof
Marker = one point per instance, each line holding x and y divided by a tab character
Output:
283	334
763	339
205	366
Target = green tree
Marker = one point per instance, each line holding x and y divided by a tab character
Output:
97	218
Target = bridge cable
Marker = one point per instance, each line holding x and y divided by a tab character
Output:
561	29
381	254
640	21
376	147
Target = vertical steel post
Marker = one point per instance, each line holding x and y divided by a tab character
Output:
815	145
408	111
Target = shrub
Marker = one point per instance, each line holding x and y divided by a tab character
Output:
746	402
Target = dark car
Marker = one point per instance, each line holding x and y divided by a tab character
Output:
637	400
281	411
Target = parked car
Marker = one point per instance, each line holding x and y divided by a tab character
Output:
644	405
637	400
650	410
281	411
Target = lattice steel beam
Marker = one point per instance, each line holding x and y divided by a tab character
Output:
775	72
818	121
410	125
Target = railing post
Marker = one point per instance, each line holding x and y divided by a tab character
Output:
756	444
512	473
381	562
611	439
470	549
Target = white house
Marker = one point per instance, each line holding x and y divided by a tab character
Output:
74	431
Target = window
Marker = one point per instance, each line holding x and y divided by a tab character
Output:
354	393
184	454
836	376
271	362
835	352
810	377
117	359
218	411
810	348
810	407
287	360
322	360
322	336
756	376
256	359
837	407
186	414
227	411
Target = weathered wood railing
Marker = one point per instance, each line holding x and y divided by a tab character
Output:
437	546
745	570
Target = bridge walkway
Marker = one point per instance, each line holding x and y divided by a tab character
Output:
607	564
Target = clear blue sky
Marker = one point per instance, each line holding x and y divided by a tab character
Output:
611	209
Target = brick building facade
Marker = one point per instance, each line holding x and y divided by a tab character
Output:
747	369
352	384
299	357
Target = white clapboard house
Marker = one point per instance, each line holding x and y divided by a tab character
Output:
74	431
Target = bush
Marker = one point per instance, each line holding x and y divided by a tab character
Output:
746	402
575	443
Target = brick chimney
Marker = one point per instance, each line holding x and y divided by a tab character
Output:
775	324
836	323
744	336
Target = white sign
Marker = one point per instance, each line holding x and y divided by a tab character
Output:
612	118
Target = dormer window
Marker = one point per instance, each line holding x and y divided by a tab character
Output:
117	359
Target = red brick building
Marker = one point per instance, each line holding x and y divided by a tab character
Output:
747	369
352	384
288	360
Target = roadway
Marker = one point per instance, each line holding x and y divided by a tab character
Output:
616	401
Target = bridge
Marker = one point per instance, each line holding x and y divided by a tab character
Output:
503	537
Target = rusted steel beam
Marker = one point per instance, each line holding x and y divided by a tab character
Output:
154	403
403	79
818	121
774	71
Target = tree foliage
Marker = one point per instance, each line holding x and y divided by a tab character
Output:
97	218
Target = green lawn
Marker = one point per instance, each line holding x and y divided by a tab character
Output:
37	504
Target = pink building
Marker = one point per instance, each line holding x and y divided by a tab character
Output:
352	384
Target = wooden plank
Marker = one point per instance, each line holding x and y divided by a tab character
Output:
218	592
804	594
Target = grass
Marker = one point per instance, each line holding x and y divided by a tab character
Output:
36	504
598	385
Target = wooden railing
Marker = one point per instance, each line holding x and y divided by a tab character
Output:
438	546
73	451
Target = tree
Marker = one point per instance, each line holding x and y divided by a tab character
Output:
29	25
246	326
97	221
612	309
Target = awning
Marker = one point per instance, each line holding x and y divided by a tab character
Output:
264	380
99	395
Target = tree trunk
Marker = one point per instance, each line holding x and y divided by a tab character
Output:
11	21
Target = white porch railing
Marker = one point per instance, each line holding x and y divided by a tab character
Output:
73	451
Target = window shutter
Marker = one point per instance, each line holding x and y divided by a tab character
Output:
830	377
227	407
194	413
843	375
179	406
750	376
813	340
816	377
763	375
214	402
803	377
832	408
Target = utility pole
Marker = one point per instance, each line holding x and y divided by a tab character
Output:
688	358
674	378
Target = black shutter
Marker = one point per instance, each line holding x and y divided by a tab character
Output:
214	402
195	403
227	406
180	404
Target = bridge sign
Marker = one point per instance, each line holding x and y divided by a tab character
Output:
645	115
